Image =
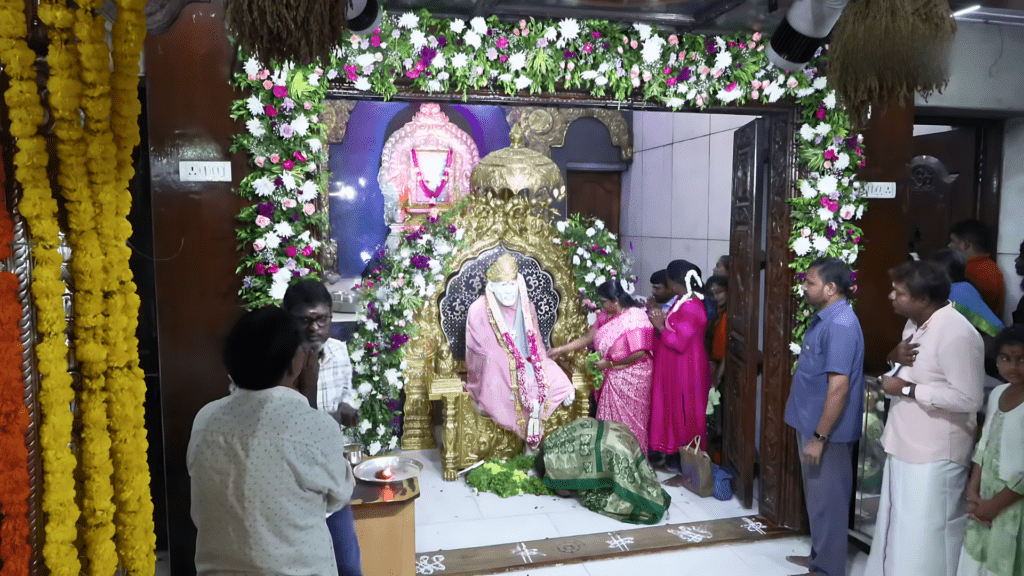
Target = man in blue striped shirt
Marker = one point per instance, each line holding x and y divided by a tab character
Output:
825	407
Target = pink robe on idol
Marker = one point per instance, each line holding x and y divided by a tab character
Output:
490	370
679	390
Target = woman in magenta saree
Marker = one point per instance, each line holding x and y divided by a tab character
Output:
679	390
624	338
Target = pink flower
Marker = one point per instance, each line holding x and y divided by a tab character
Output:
252	77
308	209
717	73
755	94
700	101
318	70
824	202
274	158
635	82
625	40
671	81
751	45
291	251
502	43
792	82
433	213
289	203
634	44
307	250
730	87
612	272
258	245
414	73
280	91
522	23
756	84
270	110
288	164
827	164
262	221
667	70
307	105
682	54
299	156
856	239
260	160
375	41
673	39
479	70
831	155
314	118
646	76
757	36
820	113
273	269
514	31
588	47
263	74
595	34
287	131
704	70
571	66
267	84
620	49
526	31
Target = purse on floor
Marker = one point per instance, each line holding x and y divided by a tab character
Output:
695	468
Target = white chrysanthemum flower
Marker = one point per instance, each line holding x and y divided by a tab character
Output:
289	181
272	241
433	86
819	83
252	67
459	61
823	129
847	211
569	28
807	133
523	82
313	79
283	229
550	34
675	103
644	30
589	277
457	26
479	25
828	185
601	80
802	92
599	280
254	105
362	84
255	127
830	100
409	20
562	224
365	59
651	52
599	224
774	92
806	190
824	214
801	246
794	348
589	75
517	61
374	448
263	186
575	260
472	39
821	244
439	62
505	77
842	161
277	289
308	192
418	39
364	426
726	96
394	441
301	125
723	60
590	232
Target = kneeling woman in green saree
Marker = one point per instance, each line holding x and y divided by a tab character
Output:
602	460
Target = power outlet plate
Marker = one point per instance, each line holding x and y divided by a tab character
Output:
876	190
191	171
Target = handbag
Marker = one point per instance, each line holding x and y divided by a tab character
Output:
722	478
695	468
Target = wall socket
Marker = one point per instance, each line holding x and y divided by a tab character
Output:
190	171
879	190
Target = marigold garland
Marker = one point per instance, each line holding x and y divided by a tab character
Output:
15	552
40	211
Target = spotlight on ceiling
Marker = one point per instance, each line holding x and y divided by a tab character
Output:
803	30
363	16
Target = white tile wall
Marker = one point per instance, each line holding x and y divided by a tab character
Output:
690	162
677	194
1011	212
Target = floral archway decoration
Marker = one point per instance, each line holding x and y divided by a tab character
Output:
284	134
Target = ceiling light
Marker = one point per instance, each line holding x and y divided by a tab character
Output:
967	10
804	29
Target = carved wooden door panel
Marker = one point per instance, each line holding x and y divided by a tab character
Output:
596	194
743	352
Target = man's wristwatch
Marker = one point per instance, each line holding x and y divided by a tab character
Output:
908	391
820	437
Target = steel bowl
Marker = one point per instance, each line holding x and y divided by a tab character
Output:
354	453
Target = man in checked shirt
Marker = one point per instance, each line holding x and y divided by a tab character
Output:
326	381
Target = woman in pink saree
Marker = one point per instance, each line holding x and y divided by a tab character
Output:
624	338
681	380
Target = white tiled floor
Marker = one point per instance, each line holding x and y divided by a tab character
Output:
449	516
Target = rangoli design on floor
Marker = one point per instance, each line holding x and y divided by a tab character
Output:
753	526
430	564
526	553
692	534
619	542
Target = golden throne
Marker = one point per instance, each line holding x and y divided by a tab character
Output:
510	212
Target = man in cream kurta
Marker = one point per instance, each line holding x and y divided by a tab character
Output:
515	387
929	434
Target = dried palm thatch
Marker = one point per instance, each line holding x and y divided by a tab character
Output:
884	51
300	31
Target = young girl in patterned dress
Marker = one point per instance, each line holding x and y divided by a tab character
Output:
993	542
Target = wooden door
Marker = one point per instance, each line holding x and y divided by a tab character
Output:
936	189
743	353
596	194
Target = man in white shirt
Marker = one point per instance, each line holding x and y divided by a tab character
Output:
326	380
264	465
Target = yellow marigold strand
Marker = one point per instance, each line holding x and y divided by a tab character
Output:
40	210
